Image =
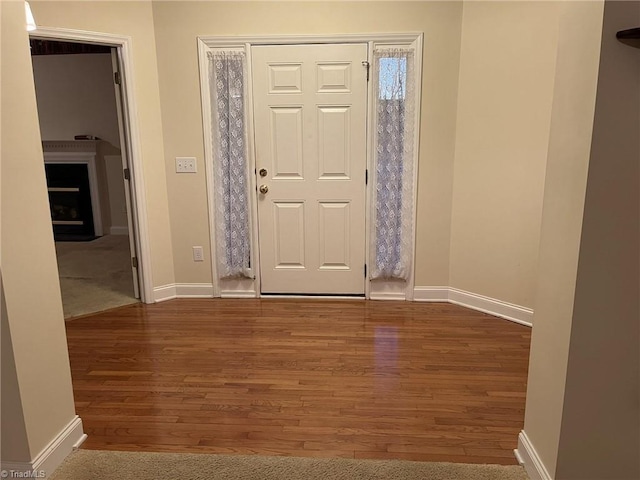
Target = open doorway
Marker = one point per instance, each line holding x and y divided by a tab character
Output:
83	135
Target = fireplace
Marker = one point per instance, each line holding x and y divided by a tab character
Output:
70	200
76	182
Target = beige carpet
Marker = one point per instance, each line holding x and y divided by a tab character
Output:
96	275
101	465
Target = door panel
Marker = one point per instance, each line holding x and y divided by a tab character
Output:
288	227
310	127
285	78
286	142
334	142
334	235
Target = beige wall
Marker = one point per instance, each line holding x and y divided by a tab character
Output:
76	96
507	68
133	19
33	313
566	175
600	431
13	434
491	247
179	23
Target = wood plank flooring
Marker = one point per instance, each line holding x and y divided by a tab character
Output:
326	378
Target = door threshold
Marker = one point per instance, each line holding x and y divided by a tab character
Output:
315	296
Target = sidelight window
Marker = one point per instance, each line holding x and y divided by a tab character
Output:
227	83
393	160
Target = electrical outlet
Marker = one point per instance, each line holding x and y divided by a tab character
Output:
186	165
198	254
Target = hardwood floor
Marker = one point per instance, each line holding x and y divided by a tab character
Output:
357	379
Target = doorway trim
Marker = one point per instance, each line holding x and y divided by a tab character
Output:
122	44
250	287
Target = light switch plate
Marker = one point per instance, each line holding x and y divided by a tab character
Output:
186	165
198	254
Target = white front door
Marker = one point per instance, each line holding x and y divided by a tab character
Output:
310	128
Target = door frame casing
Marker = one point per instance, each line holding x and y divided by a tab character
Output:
138	212
250	287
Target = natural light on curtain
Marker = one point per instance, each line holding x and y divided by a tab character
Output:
229	139
393	194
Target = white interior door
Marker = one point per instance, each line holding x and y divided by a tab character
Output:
310	130
123	130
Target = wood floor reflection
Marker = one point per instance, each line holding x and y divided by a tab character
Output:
357	379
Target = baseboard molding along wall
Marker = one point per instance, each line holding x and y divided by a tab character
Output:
164	293
194	290
431	294
387	296
530	460
51	457
182	290
492	306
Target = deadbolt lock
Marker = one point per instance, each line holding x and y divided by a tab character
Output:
263	172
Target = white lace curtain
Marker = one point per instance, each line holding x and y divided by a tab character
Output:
393	193
229	140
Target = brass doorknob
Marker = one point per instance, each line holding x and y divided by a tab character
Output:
263	189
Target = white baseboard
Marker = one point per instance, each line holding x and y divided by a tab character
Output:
389	290
164	292
194	290
431	294
519	458
492	306
387	296
50	458
239	294
182	290
115	230
529	458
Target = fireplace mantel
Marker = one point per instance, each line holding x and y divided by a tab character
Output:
66	146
